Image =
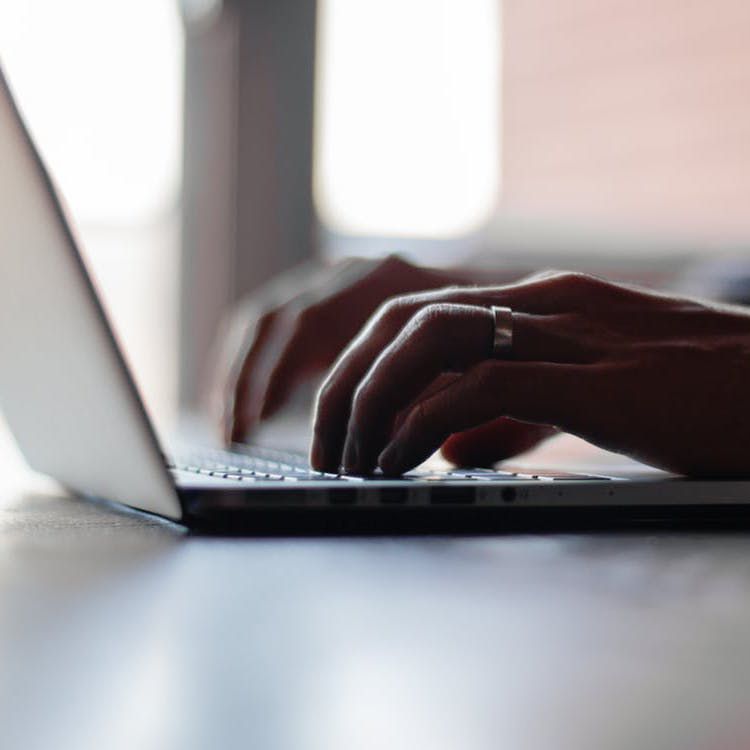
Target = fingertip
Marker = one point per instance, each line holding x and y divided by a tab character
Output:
324	455
394	461
319	460
461	452
388	464
240	427
236	435
351	456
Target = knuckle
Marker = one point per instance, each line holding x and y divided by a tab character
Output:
395	309
431	317
392	315
577	280
298	328
304	307
264	320
565	279
392	262
546	274
305	317
438	326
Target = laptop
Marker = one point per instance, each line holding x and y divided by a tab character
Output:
75	412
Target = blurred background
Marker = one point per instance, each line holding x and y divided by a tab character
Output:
204	146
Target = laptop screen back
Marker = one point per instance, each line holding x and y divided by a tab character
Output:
64	388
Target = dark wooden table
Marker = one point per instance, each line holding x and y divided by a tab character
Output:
121	631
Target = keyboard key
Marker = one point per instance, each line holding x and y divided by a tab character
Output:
265	465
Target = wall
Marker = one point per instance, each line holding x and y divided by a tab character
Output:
629	111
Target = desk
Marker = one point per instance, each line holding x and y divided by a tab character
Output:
121	631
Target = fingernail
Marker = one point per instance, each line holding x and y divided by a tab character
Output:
391	459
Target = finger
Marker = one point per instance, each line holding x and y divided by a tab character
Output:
545	293
565	338
542	393
329	317
242	411
442	381
494	441
334	400
300	355
332	405
439	339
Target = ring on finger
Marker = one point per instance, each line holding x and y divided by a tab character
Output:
502	339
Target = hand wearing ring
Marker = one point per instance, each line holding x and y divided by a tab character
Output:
411	347
589	357
387	377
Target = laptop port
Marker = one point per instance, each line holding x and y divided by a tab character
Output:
451	495
343	496
393	495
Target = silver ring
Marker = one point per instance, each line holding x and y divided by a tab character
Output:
502	340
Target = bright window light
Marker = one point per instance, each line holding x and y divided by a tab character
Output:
100	84
97	83
407	116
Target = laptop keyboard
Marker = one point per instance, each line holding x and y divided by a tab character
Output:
268	465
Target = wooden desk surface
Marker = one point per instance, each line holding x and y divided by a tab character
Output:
120	631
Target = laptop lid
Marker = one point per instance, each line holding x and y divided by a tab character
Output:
65	389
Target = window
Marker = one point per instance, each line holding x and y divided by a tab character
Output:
100	85
407	120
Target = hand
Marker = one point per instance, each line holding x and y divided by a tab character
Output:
660	378
302	321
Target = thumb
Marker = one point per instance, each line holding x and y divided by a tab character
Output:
494	441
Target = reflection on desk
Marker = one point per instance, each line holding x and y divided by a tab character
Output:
120	630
